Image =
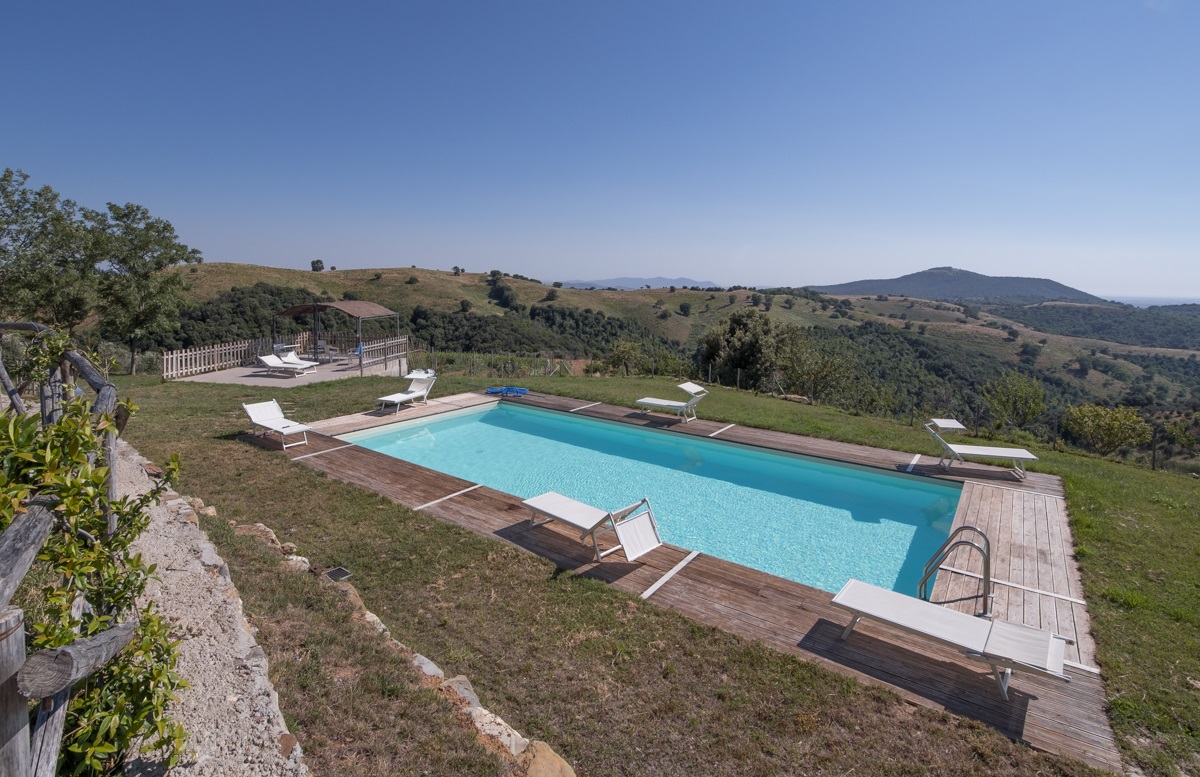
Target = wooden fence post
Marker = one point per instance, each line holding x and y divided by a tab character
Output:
14	715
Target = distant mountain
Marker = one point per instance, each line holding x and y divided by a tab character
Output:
953	285
626	284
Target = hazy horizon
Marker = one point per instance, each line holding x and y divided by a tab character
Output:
772	144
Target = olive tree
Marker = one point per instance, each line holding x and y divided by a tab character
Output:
1015	399
1107	428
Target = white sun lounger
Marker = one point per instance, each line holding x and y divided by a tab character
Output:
275	364
636	529
1001	645
685	410
950	452
417	392
290	358
269	416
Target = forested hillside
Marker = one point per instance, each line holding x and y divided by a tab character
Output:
876	354
951	284
1114	323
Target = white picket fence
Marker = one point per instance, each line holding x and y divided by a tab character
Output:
245	353
209	358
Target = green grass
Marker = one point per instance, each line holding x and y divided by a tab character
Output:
592	671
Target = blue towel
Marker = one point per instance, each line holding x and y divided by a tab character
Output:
508	391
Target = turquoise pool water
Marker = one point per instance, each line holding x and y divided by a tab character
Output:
810	521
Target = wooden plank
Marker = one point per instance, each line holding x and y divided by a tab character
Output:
14	715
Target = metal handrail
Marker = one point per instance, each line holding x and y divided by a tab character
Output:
947	547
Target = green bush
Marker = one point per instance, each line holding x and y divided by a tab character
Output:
126	701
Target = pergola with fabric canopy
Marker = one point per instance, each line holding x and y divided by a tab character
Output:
359	310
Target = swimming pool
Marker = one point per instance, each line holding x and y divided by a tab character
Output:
815	522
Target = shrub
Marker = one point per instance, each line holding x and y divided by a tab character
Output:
1106	428
126	700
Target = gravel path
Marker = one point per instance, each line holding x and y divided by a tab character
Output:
231	710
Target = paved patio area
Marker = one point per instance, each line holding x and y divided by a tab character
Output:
259	376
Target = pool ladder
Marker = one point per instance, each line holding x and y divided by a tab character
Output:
951	543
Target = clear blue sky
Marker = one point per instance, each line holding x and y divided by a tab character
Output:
756	143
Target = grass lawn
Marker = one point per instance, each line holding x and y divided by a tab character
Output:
621	686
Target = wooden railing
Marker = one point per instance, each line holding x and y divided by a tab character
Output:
385	352
48	675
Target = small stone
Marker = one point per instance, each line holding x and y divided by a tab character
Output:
372	620
423	664
231	700
231	522
351	594
289	548
197	502
208	512
287	743
491	725
296	563
544	762
259	531
153	470
460	686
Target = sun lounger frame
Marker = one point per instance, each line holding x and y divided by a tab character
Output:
275	364
1003	646
685	410
951	452
269	417
417	392
634	525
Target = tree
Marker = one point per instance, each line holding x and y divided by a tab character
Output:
557	284
1015	399
626	356
412	280
47	263
138	295
1106	428
745	341
816	368
551	295
685	309
317	265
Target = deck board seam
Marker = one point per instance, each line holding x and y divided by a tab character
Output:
448	496
978	576
670	574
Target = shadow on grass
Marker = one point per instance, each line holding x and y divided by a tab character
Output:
958	689
566	553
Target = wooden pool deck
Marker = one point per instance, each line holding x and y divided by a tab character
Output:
1036	579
